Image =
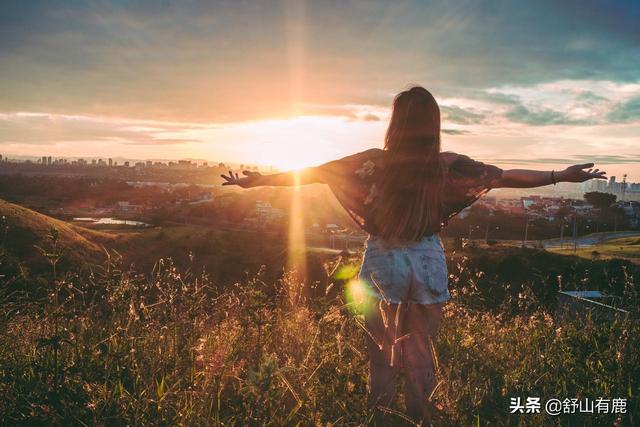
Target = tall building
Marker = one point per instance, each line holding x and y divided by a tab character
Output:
599	185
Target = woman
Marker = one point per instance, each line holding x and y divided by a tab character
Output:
403	196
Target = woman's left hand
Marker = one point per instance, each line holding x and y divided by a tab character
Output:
577	173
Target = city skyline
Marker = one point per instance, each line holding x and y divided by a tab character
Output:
291	84
91	166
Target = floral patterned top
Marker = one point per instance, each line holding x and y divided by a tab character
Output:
353	180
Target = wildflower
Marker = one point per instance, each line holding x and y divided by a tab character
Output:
468	341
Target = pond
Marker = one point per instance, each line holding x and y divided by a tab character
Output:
113	221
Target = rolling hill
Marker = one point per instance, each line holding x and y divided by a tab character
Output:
25	234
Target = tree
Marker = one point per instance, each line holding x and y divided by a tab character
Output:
562	213
600	200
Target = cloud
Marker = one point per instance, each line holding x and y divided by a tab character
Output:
494	97
626	112
576	159
455	114
565	102
327	110
233	61
591	97
542	117
369	117
367	113
36	128
455	131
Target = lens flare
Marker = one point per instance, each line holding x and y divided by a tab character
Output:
356	296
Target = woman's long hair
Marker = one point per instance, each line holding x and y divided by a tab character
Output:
408	201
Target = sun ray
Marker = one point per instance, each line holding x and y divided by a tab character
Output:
297	247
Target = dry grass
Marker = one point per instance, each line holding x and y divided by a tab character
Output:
169	349
114	347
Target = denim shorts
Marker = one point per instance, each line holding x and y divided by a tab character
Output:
413	272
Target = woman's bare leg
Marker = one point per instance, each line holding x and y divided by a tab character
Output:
421	325
380	322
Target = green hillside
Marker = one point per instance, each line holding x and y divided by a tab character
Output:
624	248
25	234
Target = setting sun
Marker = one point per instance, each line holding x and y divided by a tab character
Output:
297	142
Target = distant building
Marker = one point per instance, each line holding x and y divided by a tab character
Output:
513	206
184	164
264	214
598	185
267	213
203	197
631	210
124	207
489	201
527	203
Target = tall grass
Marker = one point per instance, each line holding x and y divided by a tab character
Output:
116	347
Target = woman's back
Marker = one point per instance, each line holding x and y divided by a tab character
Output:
356	181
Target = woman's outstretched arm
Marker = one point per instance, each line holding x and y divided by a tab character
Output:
326	173
526	178
255	179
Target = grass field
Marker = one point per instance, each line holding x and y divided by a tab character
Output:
625	248
118	348
164	342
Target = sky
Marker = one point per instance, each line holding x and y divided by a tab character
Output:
291	83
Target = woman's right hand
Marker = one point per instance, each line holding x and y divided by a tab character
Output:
250	179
